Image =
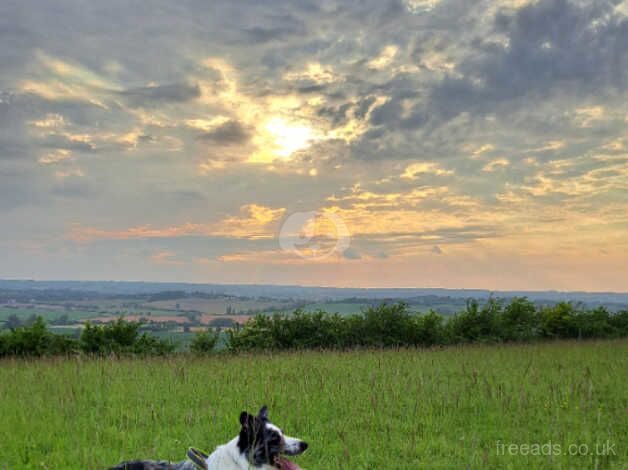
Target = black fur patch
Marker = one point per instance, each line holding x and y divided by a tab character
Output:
260	444
153	465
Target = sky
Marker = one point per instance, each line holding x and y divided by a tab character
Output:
370	143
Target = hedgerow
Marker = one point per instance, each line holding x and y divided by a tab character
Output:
383	326
395	325
116	338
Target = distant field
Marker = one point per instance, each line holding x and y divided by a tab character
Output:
216	306
337	307
406	409
166	310
348	308
204	319
24	313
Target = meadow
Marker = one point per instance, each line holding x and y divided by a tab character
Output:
450	407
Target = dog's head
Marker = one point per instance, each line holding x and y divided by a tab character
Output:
263	443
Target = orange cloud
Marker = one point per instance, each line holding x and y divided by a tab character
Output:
254	221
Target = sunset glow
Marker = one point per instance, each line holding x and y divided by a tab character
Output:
491	156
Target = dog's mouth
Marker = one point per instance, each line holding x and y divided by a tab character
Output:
283	463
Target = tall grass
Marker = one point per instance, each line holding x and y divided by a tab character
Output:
371	409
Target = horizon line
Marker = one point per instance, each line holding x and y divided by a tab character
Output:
228	284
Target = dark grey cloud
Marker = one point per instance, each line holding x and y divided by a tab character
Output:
552	47
229	133
315	88
290	27
57	141
436	250
153	95
351	253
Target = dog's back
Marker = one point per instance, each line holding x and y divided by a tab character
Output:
154	465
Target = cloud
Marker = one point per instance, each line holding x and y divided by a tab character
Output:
155	94
496	164
55	157
413	170
254	221
351	253
547	44
227	133
492	130
384	59
283	27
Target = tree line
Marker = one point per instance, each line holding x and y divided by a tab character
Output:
383	326
394	325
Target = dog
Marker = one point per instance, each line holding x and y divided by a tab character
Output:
260	445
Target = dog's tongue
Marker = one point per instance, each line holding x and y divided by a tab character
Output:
285	464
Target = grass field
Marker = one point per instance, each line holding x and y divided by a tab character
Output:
408	409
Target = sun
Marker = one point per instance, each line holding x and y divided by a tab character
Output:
288	138
281	139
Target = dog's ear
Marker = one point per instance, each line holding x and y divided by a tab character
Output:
249	421
245	418
263	413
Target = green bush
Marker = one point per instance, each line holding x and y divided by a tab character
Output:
121	337
477	324
519	320
383	326
429	330
204	342
35	340
592	324
149	345
619	323
388	325
558	321
394	325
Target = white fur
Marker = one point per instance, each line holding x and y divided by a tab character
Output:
292	445
228	457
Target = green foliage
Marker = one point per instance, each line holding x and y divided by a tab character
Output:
592	324
477	324
114	337
519	320
383	326
12	322
121	337
558	321
395	326
204	342
387	325
430	330
35	340
149	345
619	323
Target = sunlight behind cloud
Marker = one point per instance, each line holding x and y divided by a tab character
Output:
281	139
289	138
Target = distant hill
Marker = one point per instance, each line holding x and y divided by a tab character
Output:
124	288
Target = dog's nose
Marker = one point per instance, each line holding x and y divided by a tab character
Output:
302	446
